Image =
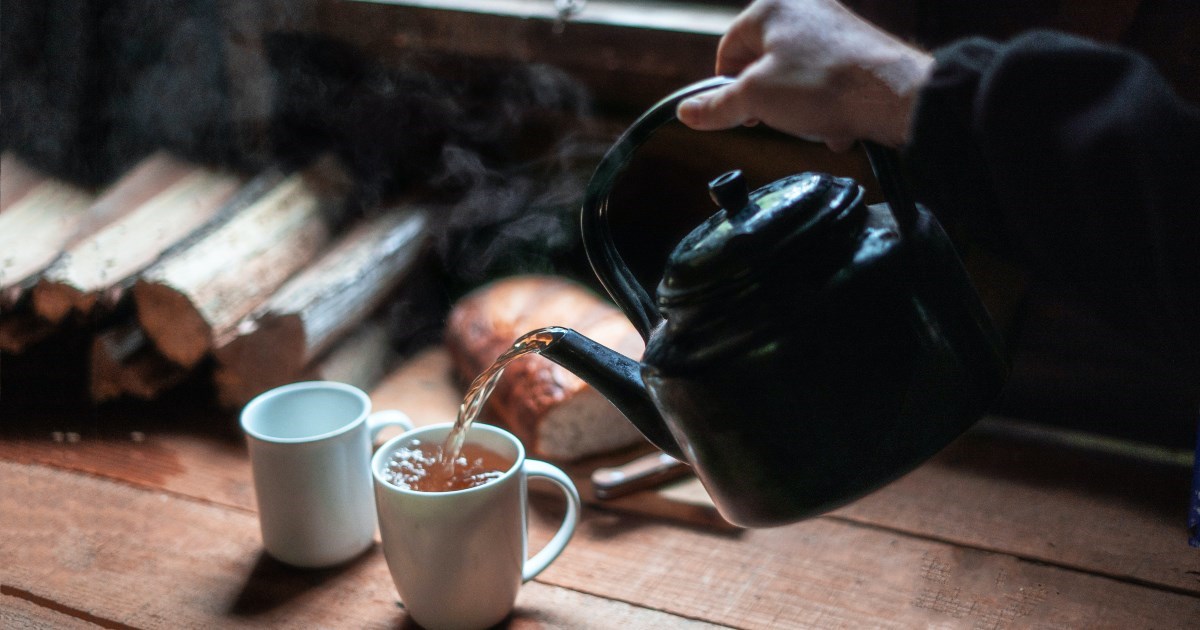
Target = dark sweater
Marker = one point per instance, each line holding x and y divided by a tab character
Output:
1080	162
1076	159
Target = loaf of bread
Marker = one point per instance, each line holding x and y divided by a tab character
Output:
554	413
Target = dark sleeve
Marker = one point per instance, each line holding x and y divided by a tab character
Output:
1077	160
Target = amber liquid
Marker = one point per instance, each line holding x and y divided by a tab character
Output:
418	466
482	387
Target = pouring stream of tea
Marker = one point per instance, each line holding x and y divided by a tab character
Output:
531	343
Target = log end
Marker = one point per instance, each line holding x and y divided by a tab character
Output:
54	301
268	354
172	323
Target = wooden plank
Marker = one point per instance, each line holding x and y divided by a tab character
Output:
146	559
87	543
17	613
215	469
105	261
822	574
650	14
1094	512
650	66
120	556
1119	515
544	606
198	455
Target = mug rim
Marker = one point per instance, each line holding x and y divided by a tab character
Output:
385	451
263	398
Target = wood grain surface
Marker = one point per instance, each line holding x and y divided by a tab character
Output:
136	516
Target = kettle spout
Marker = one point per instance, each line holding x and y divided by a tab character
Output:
618	378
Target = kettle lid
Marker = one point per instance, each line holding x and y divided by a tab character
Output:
753	230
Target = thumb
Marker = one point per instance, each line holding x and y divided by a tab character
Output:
722	108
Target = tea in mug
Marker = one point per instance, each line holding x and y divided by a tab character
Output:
419	466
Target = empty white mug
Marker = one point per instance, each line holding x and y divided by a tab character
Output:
458	558
310	451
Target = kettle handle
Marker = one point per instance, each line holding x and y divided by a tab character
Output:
602	253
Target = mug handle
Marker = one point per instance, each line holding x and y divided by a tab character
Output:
380	420
543	558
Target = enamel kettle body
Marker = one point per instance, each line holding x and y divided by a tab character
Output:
804	349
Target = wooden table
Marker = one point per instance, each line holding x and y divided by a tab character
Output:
144	517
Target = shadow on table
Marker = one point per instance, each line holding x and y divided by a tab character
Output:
1049	459
272	584
516	619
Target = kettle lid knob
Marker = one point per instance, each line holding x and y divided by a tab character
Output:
729	191
798	217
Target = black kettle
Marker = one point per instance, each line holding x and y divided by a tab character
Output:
804	349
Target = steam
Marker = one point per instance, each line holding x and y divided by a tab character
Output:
502	152
500	149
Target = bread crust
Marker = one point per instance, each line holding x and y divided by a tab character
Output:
552	411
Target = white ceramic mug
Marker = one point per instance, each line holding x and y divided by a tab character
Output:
458	558
310	450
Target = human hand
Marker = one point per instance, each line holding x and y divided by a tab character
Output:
813	69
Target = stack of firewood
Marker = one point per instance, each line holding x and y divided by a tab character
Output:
176	267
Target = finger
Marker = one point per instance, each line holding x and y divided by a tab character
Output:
721	108
741	46
735	53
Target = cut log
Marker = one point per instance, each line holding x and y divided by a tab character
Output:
317	306
16	179
124	363
105	262
188	298
33	231
65	216
150	177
